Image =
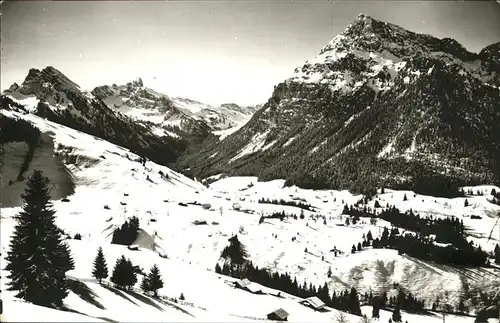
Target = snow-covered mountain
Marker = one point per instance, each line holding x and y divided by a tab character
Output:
48	93
131	115
150	107
222	118
98	185
379	105
146	105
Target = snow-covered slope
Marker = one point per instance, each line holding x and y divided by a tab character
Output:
112	185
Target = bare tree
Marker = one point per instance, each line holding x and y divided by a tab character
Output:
341	317
365	319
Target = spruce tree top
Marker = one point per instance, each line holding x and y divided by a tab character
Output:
36	195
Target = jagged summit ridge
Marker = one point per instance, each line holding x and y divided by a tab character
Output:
50	94
42	80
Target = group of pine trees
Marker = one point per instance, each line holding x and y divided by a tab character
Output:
367	241
425	248
446	229
449	231
237	266
346	301
403	301
38	257
127	233
124	274
276	215
301	205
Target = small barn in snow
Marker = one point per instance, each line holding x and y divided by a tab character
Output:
242	283
247	285
314	303
133	247
278	315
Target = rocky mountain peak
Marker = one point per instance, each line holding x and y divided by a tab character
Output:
137	83
47	80
379	96
491	54
371	35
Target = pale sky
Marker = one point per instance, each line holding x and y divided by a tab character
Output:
211	51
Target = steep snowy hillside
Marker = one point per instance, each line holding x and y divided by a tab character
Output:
171	115
190	224
50	94
378	106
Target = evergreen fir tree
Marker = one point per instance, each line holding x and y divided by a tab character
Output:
461	307
376	309
145	285
396	315
497	254
100	270
324	294
385	234
154	280
235	252
383	300
130	274
38	258
354	306
123	273
118	275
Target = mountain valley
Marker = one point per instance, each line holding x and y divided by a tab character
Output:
370	180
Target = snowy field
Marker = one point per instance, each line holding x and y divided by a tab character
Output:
111	187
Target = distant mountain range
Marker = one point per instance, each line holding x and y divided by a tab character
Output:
379	106
147	105
131	115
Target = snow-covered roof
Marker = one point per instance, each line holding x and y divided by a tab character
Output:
253	288
315	302
281	313
242	282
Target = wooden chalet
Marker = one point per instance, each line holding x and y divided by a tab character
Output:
314	303
278	315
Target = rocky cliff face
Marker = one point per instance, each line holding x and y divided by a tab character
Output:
379	105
